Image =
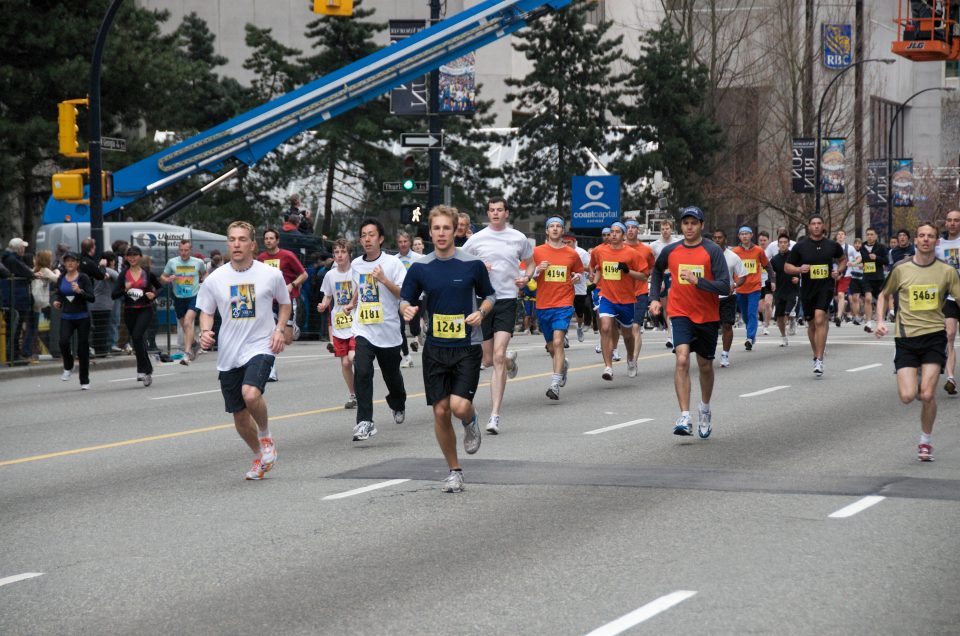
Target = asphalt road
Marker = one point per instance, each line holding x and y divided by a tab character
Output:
129	507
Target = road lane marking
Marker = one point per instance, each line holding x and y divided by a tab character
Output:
857	506
360	491
637	616
764	391
597	431
220	427
156	375
180	395
19	577
864	368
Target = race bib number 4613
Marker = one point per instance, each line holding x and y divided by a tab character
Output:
819	271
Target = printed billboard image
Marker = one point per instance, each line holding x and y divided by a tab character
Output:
458	85
832	166
902	183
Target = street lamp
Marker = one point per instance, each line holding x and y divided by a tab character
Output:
885	60
893	123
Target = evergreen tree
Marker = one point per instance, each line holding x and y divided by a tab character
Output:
466	164
665	98
568	97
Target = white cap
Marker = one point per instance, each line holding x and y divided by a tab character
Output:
17	243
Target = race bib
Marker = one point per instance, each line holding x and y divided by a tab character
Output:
750	265
870	268
449	326
697	271
818	272
342	320
611	270
370	313
272	262
556	274
923	297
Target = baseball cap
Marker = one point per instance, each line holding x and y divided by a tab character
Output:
72	255
133	249
693	211
17	243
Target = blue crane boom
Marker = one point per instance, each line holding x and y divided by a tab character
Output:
247	138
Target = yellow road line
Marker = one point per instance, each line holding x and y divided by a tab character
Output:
220	427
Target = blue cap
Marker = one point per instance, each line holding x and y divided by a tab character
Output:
631	223
745	228
605	230
619	225
553	219
693	211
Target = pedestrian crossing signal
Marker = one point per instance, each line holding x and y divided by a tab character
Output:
342	8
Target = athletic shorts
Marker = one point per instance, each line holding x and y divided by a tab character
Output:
182	305
580	305
701	337
254	373
529	306
766	290
623	313
843	284
343	346
873	287
783	305
818	299
502	317
451	371
553	319
640	309
728	310
913	352
292	321
595	297
951	309
857	286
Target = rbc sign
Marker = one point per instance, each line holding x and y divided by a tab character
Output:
595	201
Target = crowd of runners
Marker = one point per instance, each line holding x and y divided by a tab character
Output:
460	304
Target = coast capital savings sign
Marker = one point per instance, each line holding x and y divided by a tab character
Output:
595	201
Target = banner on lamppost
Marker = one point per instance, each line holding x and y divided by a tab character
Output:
410	98
803	164
901	182
458	85
837	50
832	166
878	186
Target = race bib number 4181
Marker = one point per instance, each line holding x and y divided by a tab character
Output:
370	313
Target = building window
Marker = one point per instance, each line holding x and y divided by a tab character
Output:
598	13
952	69
881	114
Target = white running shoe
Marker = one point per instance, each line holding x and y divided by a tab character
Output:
268	453
84	387
792	328
512	367
66	375
406	363
766	331
784	342
563	374
631	369
597	348
818	367
607	374
147	379
493	426
399	417
704	425
553	392
579	334
724	359
453	482
616	356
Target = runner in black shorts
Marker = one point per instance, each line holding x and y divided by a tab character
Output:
812	259
785	296
452	281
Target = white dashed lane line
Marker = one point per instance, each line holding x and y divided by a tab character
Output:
765	391
597	431
639	615
19	577
360	491
857	506
864	368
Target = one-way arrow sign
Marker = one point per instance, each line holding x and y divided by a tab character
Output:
421	140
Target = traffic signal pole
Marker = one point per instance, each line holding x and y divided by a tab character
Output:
96	163
433	122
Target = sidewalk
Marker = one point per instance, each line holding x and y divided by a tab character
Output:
55	366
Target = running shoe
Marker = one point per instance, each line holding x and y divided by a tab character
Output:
140	377
597	348
704	425
147	379
453	482
766	331
268	453
563	373
607	374
360	431
818	367
471	435
951	386
66	375
784	342
869	327
748	345
554	391
925	453
512	367
194	350
566	343
399	417
84	387
493	426
414	346
256	472
351	402
116	349
837	321
669	344
616	356
724	359
631	369
273	375
330	347
370	430
682	426
792	328
579	334
856	321
406	363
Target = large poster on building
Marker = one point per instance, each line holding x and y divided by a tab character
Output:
803	164
878	188
837	47
832	166
409	98
901	182
458	85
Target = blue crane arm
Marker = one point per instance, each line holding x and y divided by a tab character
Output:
247	138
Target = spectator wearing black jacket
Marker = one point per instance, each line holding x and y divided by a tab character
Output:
88	262
72	295
138	287
17	303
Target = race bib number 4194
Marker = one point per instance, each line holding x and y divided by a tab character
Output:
555	274
611	270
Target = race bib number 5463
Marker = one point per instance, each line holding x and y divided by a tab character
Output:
923	297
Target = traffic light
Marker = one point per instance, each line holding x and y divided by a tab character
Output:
409	171
68	129
342	8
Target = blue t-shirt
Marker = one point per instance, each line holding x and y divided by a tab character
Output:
66	290
452	286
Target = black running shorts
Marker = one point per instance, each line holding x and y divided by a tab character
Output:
951	309
819	298
929	348
451	371
254	373
728	310
503	317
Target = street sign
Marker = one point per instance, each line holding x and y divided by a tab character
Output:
397	186
112	143
421	140
595	201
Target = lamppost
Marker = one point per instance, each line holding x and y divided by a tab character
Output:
885	60
893	123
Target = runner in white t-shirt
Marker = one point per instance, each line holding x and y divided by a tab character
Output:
948	250
244	291
843	282
377	277
502	249
337	288
408	257
581	305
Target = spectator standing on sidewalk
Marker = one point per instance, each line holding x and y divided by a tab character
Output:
102	308
40	290
17	303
